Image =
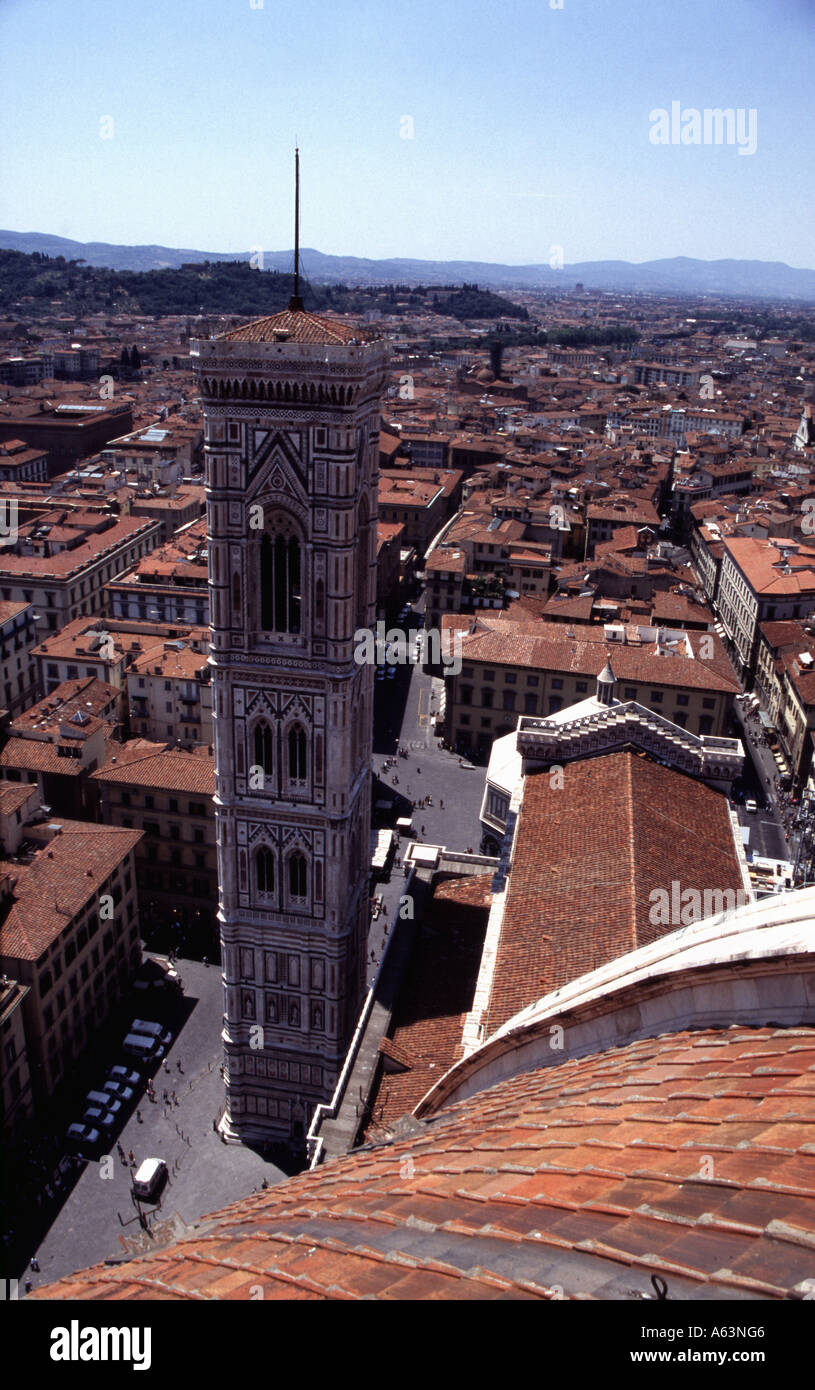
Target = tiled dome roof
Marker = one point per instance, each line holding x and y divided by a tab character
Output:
297	326
579	1180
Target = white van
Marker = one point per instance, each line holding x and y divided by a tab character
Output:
145	1048
151	1030
149	1177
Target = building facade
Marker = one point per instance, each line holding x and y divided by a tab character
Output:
291	409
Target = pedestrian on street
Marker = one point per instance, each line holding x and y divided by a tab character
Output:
120	1151
166	1097
139	1118
441	804
178	1064
206	961
28	1286
35	1264
132	1159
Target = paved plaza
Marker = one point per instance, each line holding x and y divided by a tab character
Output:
205	1173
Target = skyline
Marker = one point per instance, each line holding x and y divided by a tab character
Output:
136	152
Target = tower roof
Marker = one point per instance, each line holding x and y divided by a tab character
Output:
296	326
607	676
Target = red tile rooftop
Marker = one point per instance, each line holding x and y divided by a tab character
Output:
297	327
581	1180
61	878
141	763
434	997
616	828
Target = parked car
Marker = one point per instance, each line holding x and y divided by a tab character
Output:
119	1091
149	1177
107	1103
125	1077
751	805
82	1136
151	1030
145	1049
103	1100
155	974
99	1119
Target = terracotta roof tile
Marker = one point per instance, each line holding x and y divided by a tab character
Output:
619	828
298	326
488	1208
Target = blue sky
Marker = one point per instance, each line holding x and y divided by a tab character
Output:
530	126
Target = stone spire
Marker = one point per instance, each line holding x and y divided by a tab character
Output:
606	681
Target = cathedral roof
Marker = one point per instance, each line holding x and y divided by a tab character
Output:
298	327
577	1180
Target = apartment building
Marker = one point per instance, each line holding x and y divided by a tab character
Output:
421	499
511	669
70	937
170	585
762	581
85	648
59	741
604	519
168	795
785	684
16	1097
389	573
68	431
19	680
169	692
445	575
21	464
63	571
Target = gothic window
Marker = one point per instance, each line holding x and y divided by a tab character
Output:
263	747
363	563
264	870
297	875
280	591
297	754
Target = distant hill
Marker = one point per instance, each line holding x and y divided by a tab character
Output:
33	283
678	275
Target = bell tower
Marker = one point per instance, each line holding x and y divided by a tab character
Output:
291	427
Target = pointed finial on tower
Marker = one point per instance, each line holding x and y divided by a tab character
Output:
296	303
606	681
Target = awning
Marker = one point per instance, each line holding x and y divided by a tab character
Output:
765	719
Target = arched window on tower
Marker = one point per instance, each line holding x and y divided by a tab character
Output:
298	870
363	572
263	747
264	870
280	583
297	754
